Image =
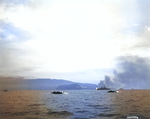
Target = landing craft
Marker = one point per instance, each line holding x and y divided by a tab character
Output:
112	91
57	92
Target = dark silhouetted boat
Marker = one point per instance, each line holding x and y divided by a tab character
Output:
5	90
57	92
111	91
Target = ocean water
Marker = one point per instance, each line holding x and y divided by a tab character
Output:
75	104
98	104
83	104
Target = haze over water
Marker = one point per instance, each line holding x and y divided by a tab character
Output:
75	104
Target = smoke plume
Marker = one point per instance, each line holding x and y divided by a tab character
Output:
133	73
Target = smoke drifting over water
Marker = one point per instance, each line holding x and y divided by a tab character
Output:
133	73
11	83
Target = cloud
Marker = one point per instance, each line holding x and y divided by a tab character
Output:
144	39
136	15
133	73
10	33
133	25
7	4
9	51
11	43
71	35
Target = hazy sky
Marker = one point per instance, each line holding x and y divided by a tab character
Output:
77	40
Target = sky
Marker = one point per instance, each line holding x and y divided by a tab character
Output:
77	40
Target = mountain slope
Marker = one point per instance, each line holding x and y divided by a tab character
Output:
40	84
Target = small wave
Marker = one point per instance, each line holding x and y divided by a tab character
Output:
108	115
59	113
81	111
95	105
20	113
35	104
99	106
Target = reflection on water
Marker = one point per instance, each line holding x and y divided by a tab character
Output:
88	104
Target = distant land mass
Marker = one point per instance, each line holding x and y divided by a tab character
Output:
77	86
74	86
44	84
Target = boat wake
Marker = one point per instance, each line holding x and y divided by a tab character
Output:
65	93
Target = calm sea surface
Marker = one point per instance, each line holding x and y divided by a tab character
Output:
76	104
99	104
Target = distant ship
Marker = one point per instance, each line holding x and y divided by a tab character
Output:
102	88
